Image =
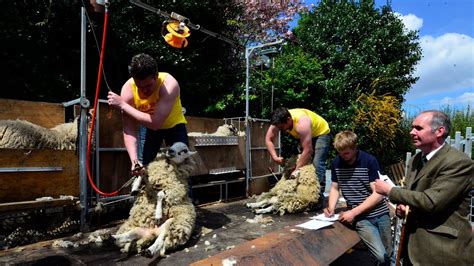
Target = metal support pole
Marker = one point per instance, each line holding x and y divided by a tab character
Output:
273	81
248	51
248	137
83	124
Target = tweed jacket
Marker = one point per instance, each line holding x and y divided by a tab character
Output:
438	230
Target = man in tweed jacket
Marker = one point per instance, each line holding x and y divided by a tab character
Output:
438	184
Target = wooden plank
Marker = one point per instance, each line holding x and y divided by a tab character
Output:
258	132
398	173
110	127
261	161
284	247
114	171
24	186
25	205
258	185
44	114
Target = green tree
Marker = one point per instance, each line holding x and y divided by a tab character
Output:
41	57
206	69
295	79
38	50
362	50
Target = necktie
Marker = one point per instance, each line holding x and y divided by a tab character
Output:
424	160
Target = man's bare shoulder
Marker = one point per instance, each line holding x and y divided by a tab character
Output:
170	86
127	92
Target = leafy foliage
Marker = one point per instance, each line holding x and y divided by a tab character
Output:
35	51
362	51
294	79
41	51
460	119
377	121
357	44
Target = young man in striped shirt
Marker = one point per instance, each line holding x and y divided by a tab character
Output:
354	172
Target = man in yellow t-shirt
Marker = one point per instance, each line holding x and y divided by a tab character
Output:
313	132
151	99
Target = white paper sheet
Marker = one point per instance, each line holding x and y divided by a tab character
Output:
314	224
386	179
322	217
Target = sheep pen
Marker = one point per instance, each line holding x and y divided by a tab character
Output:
28	225
21	134
163	216
290	195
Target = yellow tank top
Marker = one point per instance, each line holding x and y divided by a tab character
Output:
148	104
319	126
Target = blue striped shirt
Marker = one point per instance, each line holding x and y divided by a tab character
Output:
354	182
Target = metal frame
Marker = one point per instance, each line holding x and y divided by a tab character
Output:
83	129
85	104
248	147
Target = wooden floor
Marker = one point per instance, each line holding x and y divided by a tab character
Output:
227	234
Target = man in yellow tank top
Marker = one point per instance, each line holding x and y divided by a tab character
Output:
314	134
150	99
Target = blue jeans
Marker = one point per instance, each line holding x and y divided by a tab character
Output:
376	234
321	147
141	142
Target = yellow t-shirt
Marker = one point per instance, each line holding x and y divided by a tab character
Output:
148	104
319	126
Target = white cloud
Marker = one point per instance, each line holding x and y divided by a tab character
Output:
411	22
464	99
447	65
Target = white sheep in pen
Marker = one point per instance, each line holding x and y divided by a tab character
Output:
163	215
290	195
21	134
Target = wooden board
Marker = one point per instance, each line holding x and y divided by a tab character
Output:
44	114
258	132
283	247
26	185
114	171
110	127
34	204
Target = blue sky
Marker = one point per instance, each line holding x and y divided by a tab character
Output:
446	70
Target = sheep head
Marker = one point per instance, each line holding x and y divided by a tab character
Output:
178	152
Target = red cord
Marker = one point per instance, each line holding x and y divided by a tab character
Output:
96	100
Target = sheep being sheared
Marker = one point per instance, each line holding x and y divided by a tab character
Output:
290	194
21	134
162	217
